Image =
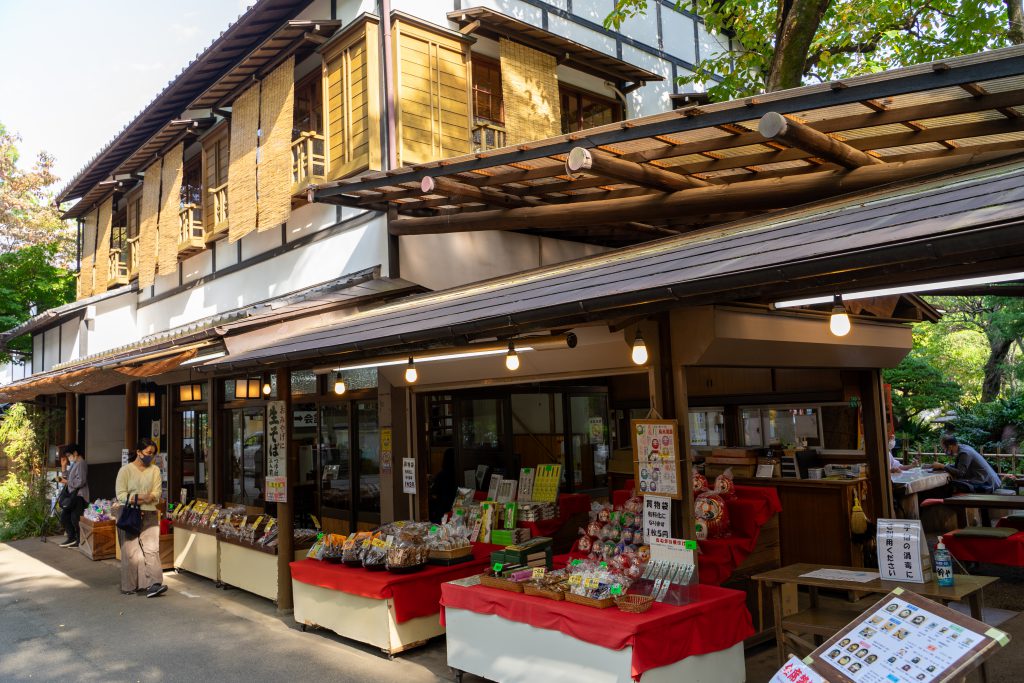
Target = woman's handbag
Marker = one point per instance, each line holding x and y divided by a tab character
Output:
64	499
130	519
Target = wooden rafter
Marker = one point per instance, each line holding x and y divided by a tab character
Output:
461	192
646	175
775	126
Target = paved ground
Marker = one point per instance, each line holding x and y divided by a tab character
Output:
62	618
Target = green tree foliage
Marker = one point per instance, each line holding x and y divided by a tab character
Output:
29	281
779	44
996	425
919	387
28	216
24	503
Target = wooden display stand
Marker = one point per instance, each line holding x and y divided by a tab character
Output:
97	540
196	551
252	569
367	620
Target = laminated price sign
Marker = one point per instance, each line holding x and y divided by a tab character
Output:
657	517
408	475
902	551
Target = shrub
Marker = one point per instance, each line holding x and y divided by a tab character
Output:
24	503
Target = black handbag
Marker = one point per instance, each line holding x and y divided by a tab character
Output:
130	519
64	499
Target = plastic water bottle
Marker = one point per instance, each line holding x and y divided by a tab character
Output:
943	565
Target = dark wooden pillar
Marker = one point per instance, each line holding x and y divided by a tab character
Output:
131	414
173	448
876	442
70	418
218	428
672	354
286	510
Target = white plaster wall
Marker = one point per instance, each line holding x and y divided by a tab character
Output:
449	260
37	353
113	324
677	35
361	246
653	98
104	433
70	332
51	348
12	371
347	10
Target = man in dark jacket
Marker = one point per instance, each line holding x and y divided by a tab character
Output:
971	472
78	490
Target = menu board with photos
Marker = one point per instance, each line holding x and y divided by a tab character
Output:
656	457
905	638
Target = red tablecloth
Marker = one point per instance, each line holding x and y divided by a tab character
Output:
660	636
415	595
719	557
1008	551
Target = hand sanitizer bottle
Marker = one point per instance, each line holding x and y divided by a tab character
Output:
943	565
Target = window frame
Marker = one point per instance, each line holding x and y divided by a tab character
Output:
495	65
579	94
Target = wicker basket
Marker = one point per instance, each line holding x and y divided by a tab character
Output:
590	602
636	604
535	590
503	584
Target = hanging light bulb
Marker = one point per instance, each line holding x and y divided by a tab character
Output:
839	323
410	372
639	349
339	387
267	388
512	358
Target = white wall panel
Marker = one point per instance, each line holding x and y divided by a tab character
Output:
114	325
677	32
104	428
654	97
51	348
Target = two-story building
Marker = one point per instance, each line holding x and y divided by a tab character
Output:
478	236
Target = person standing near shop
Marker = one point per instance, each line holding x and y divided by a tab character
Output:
140	555
971	472
78	493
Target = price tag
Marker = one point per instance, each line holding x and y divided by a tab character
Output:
690	545
576	562
539	572
603	565
591	583
316	522
390	541
498	566
377	543
616	589
433	529
270	524
575	580
256	523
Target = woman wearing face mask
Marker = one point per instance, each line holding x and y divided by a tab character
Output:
78	489
140	555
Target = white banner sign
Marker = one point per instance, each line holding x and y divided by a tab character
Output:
409	475
795	671
657	517
277	440
901	549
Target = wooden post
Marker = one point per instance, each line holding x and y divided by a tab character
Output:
218	428
681	398
173	446
876	442
70	418
131	414
286	510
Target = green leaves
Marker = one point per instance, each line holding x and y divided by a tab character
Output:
28	281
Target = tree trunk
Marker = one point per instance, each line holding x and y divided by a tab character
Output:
999	349
797	28
1015	25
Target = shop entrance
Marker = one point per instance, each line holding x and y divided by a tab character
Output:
195	452
338	445
243	480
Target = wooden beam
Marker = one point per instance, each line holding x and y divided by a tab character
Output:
601	163
773	193
775	126
459	192
470	28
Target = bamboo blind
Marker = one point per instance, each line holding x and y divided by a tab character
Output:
102	261
86	274
170	204
274	175
148	228
245	120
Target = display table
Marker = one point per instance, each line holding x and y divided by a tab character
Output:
196	550
511	637
1007	551
251	568
394	612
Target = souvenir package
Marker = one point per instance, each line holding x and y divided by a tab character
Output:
700	483
99	511
352	548
712	513
408	548
611	533
724	485
595	580
451	535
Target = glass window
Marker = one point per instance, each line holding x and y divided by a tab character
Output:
752	428
588	422
195	450
369	456
364	378
304	382
309	105
247	466
487	94
482	424
335	451
794	427
582	110
707	427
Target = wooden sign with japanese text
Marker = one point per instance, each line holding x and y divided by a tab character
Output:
277	453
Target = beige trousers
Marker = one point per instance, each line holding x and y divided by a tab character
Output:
140	557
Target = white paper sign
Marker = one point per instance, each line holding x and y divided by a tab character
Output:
657	517
277	490
408	475
795	670
125	454
901	547
673	550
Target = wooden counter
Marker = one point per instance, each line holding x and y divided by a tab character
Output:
814	525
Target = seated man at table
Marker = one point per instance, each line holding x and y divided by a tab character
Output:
971	472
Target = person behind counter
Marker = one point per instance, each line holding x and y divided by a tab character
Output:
78	490
140	555
971	472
